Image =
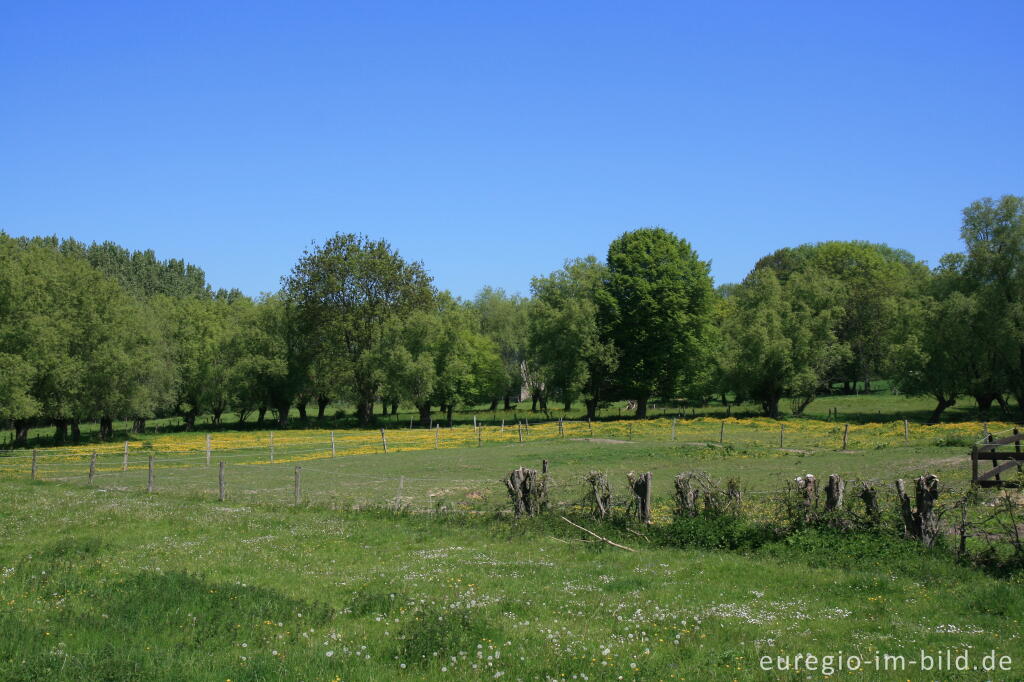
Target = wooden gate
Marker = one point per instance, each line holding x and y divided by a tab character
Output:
1007	450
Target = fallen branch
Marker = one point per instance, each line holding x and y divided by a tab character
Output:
590	532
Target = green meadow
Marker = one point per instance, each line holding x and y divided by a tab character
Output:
408	566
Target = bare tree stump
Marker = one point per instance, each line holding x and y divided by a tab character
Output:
808	488
921	523
600	494
686	495
870	499
734	496
834	493
640	484
523	489
928	520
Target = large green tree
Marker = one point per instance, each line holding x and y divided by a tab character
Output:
872	284
993	234
654	307
345	291
780	339
566	345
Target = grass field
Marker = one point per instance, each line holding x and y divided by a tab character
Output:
878	405
103	581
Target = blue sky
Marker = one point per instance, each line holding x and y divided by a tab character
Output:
494	140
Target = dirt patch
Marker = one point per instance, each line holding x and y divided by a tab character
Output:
600	440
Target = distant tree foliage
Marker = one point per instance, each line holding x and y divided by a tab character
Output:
99	333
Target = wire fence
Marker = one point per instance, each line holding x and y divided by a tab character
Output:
317	467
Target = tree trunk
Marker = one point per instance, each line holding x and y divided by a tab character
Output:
543	402
641	408
261	414
301	406
364	412
591	408
424	409
21	431
282	410
106	428
534	407
139	425
568	405
76	431
190	420
771	406
943	403
384	407
494	405
60	430
508	402
985	401
217	412
322	402
394	407
451	409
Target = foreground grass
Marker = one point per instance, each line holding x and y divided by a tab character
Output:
106	584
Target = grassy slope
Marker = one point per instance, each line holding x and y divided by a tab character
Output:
105	583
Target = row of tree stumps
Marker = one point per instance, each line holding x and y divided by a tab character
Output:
920	519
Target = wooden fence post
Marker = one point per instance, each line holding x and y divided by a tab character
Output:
220	481
149	482
630	430
207	449
271	447
721	432
519	425
474	421
384	441
503	426
334	452
1016	449
298	485
92	468
479	437
846	435
995	462
906	431
673	428
124	460
437	436
33	465
561	428
590	425
782	434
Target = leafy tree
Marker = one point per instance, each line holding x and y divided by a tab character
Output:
655	306
781	339
565	336
993	233
439	357
872	285
344	292
505	321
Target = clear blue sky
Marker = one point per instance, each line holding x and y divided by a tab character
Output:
493	140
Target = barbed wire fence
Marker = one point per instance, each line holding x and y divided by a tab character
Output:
318	468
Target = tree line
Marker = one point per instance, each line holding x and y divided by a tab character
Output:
98	333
